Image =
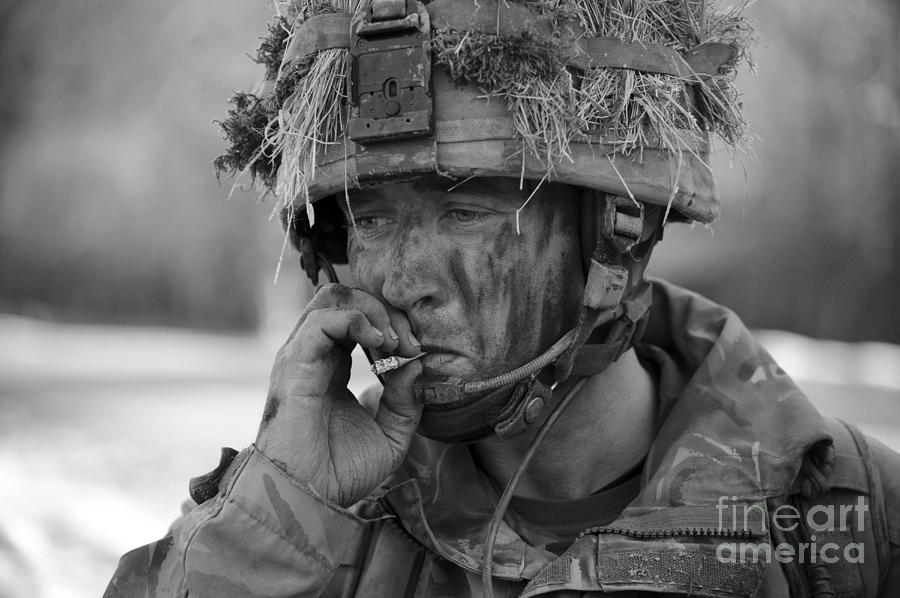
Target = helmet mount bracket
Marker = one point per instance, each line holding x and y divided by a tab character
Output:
390	79
622	222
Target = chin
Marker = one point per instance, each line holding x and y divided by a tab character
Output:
437	365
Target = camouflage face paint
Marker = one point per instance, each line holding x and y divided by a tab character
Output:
482	298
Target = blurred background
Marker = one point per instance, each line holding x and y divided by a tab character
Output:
138	310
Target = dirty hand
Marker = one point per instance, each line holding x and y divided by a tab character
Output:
312	426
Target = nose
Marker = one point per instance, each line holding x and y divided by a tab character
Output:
413	274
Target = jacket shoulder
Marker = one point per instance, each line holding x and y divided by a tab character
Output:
887	461
858	511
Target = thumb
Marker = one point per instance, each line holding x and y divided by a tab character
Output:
399	411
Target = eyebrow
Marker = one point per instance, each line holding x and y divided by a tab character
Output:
358	200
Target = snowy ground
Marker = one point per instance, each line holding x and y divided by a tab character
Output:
101	427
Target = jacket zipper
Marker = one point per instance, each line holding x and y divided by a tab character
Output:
667	533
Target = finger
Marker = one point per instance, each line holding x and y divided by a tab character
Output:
344	297
399	411
407	343
325	328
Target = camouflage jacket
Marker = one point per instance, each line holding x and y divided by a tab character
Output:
736	442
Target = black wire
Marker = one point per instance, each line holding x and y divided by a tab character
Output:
487	564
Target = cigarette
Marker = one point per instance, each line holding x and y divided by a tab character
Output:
392	363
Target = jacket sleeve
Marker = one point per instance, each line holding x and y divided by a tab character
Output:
263	534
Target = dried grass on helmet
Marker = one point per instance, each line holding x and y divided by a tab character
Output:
278	138
526	70
313	95
638	109
311	119
300	10
631	110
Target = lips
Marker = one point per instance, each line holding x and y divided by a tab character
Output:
433	362
439	360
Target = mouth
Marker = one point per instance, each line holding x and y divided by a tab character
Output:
434	363
439	360
439	350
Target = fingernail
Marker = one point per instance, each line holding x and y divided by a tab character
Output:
413	340
393	333
378	332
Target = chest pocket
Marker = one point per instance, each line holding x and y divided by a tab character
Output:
385	562
388	563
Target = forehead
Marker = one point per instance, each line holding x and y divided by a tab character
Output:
497	192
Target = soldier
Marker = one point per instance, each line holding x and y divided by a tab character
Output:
496	175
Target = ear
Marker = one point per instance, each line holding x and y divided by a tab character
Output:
328	234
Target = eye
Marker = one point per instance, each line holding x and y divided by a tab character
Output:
369	223
369	227
464	216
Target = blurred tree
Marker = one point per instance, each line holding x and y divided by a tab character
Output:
813	246
16	67
108	206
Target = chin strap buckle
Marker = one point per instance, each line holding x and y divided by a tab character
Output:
604	288
529	398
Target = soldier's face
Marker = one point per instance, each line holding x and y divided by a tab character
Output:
481	297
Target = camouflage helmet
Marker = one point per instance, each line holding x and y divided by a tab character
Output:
620	96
